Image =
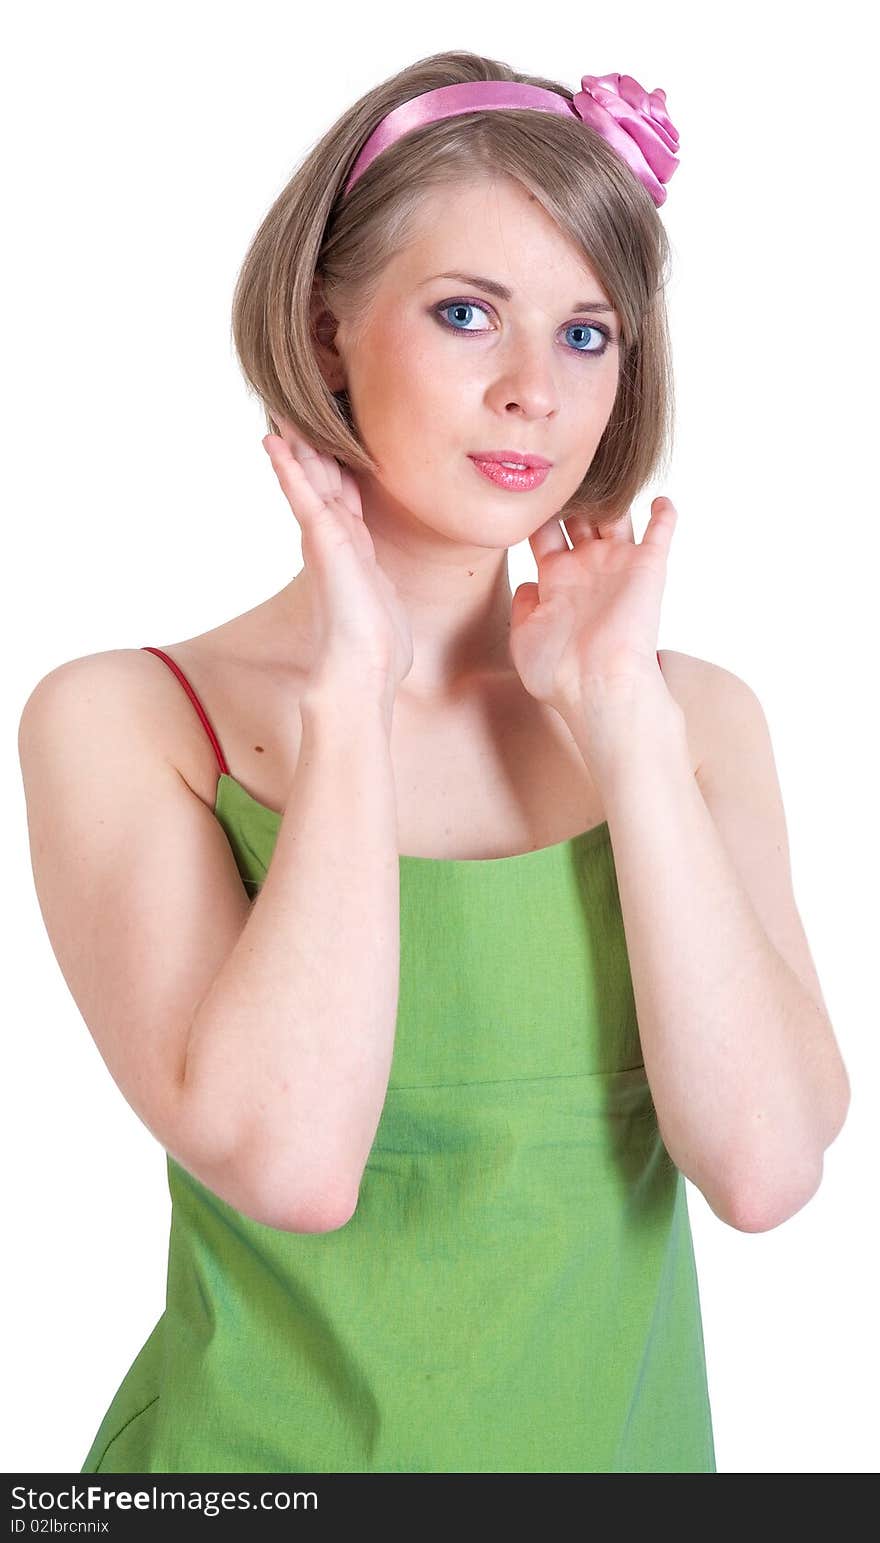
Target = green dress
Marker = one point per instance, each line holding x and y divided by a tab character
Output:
516	1290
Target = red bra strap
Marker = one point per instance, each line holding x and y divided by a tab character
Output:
195	702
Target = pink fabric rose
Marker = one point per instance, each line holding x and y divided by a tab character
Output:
634	123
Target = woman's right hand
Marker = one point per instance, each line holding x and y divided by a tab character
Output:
361	632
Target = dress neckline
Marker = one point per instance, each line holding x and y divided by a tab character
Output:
594	835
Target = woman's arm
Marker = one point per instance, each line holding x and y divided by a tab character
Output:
253	1040
296	1034
748	1083
294	1039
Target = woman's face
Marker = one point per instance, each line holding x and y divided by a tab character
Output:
446	368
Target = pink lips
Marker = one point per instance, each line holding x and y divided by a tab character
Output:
507	477
521	456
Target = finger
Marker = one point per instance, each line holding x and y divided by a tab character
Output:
661	524
306	501
350	493
321	470
548	538
580	528
325	522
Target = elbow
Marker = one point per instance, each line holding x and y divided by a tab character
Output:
330	1215
281	1191
760	1202
290	1192
841	1109
327	1212
772	1191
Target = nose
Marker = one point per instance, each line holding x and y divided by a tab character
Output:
525	383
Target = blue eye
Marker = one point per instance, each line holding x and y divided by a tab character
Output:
461	305
464	310
586	327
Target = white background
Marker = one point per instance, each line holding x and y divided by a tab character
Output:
143	146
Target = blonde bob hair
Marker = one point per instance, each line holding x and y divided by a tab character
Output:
312	237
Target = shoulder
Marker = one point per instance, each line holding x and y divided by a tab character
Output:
714	702
736	766
739	782
109	696
114	670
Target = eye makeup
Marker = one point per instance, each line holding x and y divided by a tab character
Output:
468	303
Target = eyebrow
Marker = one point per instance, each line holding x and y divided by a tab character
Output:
492	287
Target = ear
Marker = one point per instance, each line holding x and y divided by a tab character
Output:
323	326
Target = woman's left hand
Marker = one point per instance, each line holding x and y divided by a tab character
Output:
584	637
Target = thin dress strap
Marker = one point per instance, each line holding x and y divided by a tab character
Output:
160	654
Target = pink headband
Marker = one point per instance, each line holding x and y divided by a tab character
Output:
634	123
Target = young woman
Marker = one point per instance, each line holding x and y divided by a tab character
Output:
436	932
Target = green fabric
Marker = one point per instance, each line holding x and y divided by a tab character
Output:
516	1290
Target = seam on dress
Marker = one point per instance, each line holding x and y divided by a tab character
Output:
483	1082
124	1427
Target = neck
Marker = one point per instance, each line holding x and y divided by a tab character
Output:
457	600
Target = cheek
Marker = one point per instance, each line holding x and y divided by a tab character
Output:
596	401
600	379
411	391
611	379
